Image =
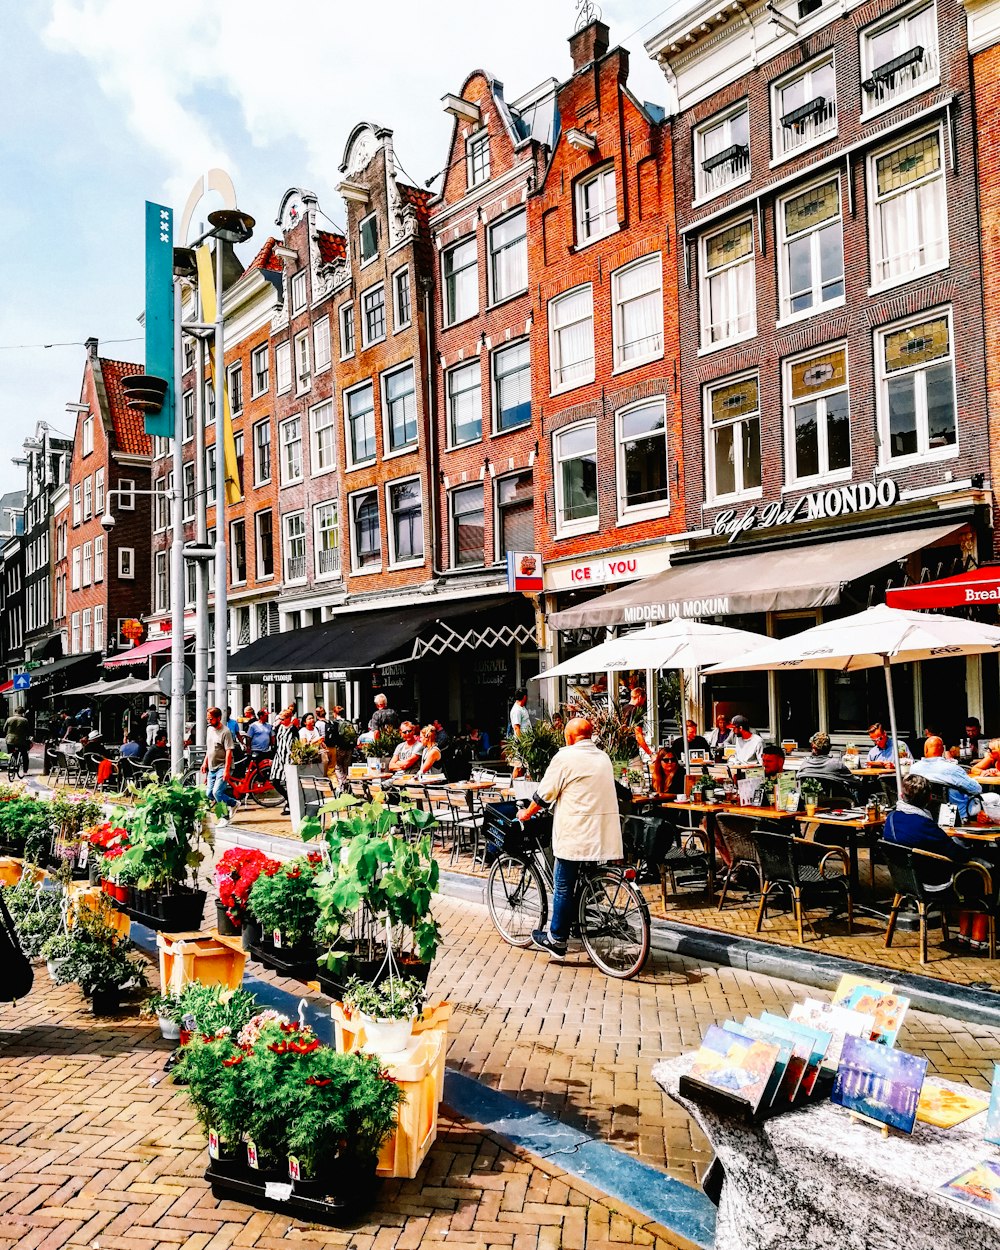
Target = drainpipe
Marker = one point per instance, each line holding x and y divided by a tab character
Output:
431	431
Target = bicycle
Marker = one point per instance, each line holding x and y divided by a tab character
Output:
612	915
17	763
254	783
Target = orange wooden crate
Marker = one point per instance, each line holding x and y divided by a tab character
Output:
11	871
92	899
188	957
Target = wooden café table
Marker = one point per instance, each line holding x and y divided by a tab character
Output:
859	829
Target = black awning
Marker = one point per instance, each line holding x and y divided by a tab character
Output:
45	671
360	640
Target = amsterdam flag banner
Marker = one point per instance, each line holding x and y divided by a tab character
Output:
206	289
160	313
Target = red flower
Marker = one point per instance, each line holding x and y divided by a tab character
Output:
315	858
289	1027
304	1048
293	874
318	1080
279	1048
231	1063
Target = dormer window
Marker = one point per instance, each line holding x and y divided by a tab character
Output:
804	108
722	152
899	58
596	206
478	158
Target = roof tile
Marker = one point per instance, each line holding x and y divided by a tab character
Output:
332	247
130	434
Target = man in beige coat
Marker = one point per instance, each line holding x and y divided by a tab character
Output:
587	828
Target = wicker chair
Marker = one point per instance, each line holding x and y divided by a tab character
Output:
970	889
652	841
800	869
739	846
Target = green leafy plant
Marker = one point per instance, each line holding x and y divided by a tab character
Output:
212	1068
535	747
399	999
212	1009
164	1007
283	900
382	748
614	731
26	826
100	958
59	946
306	752
169	835
811	788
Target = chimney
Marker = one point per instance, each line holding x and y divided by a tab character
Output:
91	346
589	44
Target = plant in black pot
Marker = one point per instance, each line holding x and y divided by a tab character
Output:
101	962
212	1068
274	1077
284	904
343	1110
235	873
212	1009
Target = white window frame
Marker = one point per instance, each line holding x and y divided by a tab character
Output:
99	558
475	142
492	251
794	479
914	212
451	312
315	449
706	185
348	439
495	357
87	632
628	513
126	563
318	549
299	292
741	491
584	525
556	386
76	567
474	368
871	103
499	510
88	498
286	541
605	221
188	503
99	498
126	494
345	316
255	370
819	305
924	452
322	357
99	640
730	276
88	564
810	133
359	570
284	442
367	297
453	528
77	504
74	645
283	366
302	356
653	262
259	573
388	449
266	424
398	320
87	436
367	260
394	561
187	416
161	583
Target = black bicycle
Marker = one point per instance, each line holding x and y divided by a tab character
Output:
17	763
612	915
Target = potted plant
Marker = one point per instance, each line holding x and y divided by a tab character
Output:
274	1073
167	1009
811	790
101	963
379	752
235	874
56	952
211	1066
387	1011
532	750
283	902
211	1009
344	1108
634	779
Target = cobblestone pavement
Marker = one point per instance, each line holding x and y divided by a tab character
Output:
99	1150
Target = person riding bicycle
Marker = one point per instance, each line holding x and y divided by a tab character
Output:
586	828
17	731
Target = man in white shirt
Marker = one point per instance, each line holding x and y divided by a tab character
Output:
520	718
580	781
747	746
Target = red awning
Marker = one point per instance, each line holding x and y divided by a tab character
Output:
136	655
7	687
964	590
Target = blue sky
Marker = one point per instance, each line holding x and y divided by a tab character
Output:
108	103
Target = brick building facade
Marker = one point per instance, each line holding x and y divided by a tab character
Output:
604	371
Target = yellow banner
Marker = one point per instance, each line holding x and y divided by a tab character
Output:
206	288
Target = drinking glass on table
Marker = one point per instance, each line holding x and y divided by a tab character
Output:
788	745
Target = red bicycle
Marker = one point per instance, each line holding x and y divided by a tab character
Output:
250	779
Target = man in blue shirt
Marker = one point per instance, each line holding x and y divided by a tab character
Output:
258	735
882	754
943	771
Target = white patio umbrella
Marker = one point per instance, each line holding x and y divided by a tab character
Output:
879	637
681	644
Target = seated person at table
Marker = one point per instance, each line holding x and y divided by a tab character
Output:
911	824
746	744
695	742
158	752
963	790
430	752
667	772
882	753
131	749
773	759
933	745
719	736
989	765
407	754
974	732
820	763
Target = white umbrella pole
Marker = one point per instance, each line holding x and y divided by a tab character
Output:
892	724
684	733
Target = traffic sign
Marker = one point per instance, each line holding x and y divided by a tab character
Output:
22	681
166	678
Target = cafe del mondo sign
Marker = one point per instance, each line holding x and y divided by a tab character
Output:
817	506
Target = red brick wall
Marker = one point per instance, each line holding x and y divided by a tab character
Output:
595	102
986	74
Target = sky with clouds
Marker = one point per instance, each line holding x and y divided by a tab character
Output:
108	103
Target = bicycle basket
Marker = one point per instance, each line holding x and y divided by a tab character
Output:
502	831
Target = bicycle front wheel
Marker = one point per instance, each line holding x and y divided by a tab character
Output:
516	898
614	924
262	789
12	766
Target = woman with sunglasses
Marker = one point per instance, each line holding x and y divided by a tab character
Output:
667	773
